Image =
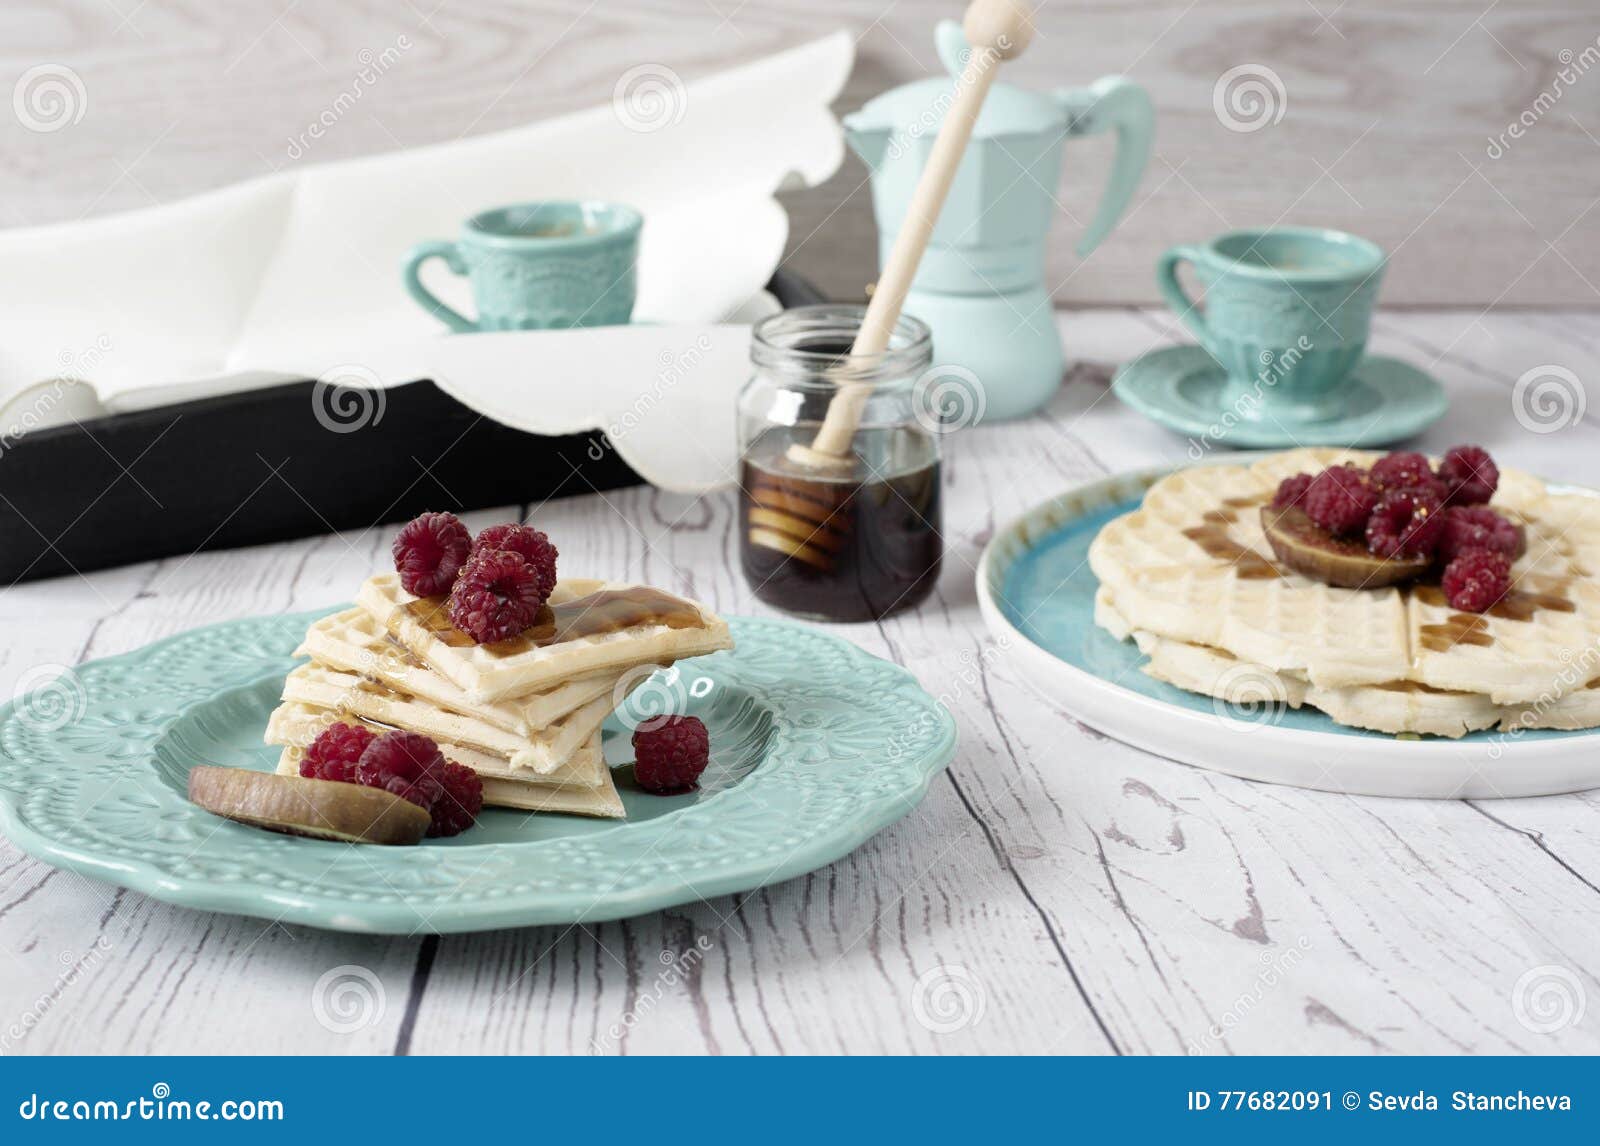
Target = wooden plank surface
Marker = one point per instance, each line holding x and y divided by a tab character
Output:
1056	892
1391	124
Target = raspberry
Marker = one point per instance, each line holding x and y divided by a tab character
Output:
407	764
1405	523
496	596
1476	580
669	756
531	545
1340	499
428	552
1434	486
1470	473
334	753
458	805
1291	490
1400	470
1464	527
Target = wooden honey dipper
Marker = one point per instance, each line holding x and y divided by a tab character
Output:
801	523
996	30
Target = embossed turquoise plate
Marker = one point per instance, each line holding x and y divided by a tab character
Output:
816	746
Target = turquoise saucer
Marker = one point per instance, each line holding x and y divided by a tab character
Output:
1181	388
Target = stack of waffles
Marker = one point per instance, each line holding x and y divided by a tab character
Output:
1191	578
525	713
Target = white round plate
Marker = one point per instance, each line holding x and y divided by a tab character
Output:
1036	592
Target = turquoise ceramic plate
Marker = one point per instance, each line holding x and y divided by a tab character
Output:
816	746
1181	388
1037	591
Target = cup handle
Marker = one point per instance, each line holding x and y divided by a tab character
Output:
415	257
1173	292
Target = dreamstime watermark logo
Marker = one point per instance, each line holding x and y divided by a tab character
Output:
969	677
73	969
649	97
348	398
674	367
948	998
1548	998
947	398
1250	697
1577	670
49	97
1548	398
34	416
351	699
933	115
388	661
159	1106
1574	66
1275	966
1248	98
1275	367
49	697
76	364
347	999
81	362
677	967
646	695
372	67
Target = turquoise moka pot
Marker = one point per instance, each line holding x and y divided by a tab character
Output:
981	285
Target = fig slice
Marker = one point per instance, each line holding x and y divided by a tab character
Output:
1311	551
298	806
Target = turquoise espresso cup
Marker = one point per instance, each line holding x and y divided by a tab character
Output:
538	266
1287	311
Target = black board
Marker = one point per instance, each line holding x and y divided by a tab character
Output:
256	467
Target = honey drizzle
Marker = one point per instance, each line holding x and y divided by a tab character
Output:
1472	628
1456	629
393	648
608	611
1213	537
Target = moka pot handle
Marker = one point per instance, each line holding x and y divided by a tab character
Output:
1112	103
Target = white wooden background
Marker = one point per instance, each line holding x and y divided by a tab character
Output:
1057	891
1378	114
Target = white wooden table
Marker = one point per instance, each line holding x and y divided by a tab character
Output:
1056	892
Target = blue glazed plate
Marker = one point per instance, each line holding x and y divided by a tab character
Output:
1181	388
816	746
1036	591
